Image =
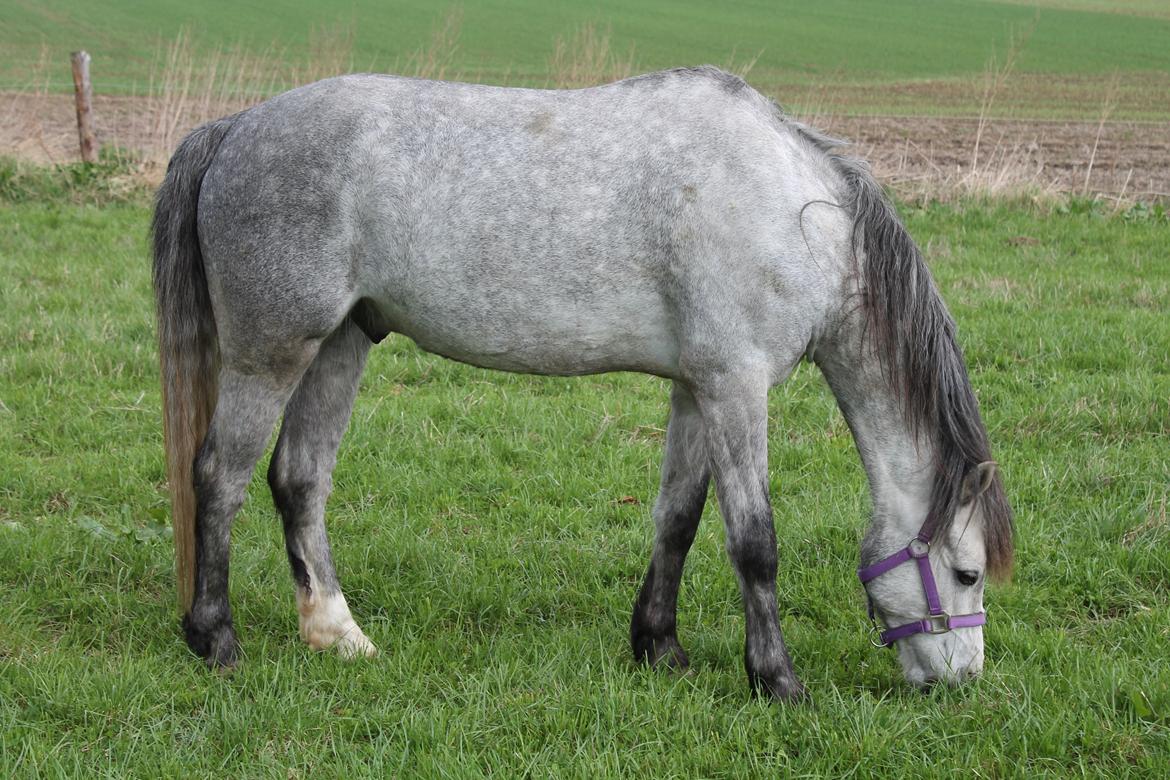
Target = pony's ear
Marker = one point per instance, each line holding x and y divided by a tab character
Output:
977	481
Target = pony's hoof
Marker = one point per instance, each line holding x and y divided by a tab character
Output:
325	623
354	645
784	689
345	637
662	653
216	645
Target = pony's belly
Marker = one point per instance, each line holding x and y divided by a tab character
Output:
538	339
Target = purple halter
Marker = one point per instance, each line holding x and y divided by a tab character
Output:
938	622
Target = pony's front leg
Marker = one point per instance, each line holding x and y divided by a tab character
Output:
300	476
735	415
681	495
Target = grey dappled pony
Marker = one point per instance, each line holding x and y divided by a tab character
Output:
676	224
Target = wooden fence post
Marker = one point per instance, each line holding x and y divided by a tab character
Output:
83	93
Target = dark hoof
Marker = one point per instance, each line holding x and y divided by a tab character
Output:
216	645
662	653
788	690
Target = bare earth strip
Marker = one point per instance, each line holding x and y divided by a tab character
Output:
933	154
917	155
1138	96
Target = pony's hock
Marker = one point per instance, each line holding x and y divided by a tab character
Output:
676	224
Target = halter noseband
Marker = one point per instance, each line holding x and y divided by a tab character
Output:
938	622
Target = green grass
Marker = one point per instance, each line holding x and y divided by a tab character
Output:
483	535
812	45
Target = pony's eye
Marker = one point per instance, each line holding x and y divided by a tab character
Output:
967	576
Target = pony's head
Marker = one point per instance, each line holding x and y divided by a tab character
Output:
926	591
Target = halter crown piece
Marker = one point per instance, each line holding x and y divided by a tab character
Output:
938	622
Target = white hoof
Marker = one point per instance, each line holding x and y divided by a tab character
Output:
355	645
326	623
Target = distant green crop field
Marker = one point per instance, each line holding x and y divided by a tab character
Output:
863	45
1152	8
491	531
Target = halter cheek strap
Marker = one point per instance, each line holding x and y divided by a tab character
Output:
938	622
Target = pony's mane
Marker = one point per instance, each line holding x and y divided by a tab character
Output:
913	336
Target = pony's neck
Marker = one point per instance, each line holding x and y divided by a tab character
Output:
900	464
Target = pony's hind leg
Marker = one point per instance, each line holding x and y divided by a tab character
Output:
735	418
681	496
245	413
300	476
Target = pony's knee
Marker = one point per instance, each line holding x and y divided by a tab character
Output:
289	494
753	555
295	489
219	490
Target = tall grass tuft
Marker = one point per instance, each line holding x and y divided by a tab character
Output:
1107	107
995	75
586	58
436	60
24	110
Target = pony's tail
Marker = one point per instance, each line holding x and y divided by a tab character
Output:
188	348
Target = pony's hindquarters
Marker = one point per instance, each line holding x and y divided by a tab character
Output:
252	276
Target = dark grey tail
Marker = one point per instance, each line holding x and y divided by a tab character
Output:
187	345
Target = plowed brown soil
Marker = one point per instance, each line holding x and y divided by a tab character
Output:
1130	158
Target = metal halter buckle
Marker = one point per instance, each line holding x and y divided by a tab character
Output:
918	548
875	635
939	624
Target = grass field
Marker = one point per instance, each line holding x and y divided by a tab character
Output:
844	45
491	531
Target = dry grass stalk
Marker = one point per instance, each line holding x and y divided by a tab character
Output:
21	122
437	58
330	52
188	87
1107	107
1008	170
994	78
1120	197
170	92
586	59
741	69
819	104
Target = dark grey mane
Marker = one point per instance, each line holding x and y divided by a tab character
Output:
913	335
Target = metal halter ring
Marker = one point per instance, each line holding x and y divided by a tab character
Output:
875	635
